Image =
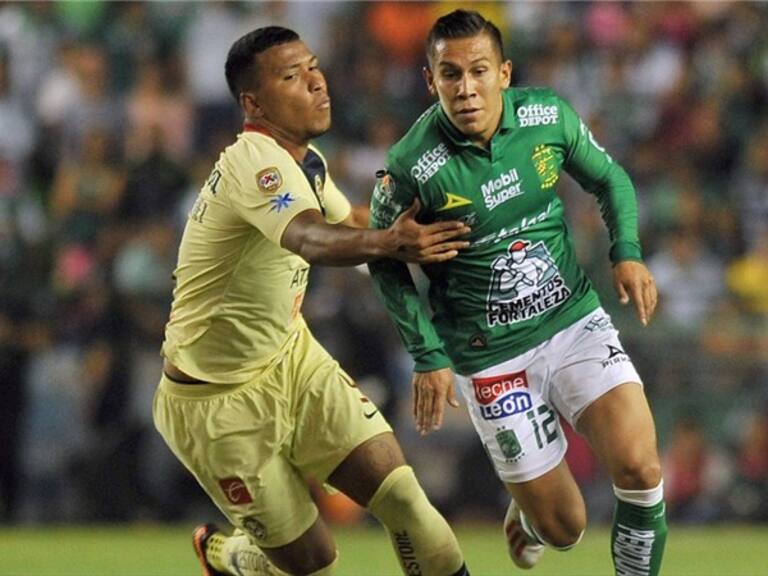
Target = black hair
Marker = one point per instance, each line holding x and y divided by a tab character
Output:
463	24
240	68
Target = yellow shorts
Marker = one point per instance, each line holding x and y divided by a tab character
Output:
251	446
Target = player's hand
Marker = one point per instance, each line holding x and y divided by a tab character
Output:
425	243
633	281
431	390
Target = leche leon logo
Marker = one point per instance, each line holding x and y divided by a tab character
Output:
503	395
235	490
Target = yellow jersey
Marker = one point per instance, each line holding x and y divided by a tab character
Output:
238	293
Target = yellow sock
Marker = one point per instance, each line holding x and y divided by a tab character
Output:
424	542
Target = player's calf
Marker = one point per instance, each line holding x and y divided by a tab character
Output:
422	539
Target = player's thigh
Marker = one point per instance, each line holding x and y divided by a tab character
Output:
619	426
334	418
232	440
597	389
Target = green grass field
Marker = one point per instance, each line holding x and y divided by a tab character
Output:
143	551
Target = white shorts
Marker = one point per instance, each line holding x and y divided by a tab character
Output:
515	405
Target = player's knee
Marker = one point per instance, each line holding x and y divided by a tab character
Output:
398	494
562	530
561	533
639	474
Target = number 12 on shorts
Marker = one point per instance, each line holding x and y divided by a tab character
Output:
544	422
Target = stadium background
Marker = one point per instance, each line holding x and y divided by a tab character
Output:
111	115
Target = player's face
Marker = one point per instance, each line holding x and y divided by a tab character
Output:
292	96
468	76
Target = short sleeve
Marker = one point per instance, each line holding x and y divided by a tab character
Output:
337	207
271	196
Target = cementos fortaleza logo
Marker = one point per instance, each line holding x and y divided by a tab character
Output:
503	395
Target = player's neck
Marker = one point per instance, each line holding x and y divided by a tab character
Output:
298	150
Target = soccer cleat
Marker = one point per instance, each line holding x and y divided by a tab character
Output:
524	552
200	538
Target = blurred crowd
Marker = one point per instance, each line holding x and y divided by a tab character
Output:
112	114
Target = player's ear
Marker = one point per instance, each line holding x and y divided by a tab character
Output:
250	104
430	79
506	73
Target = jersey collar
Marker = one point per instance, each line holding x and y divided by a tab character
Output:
250	127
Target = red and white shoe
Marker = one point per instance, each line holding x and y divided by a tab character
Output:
200	538
524	553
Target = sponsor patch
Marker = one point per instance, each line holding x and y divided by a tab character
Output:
281	202
502	188
526	223
385	184
503	395
235	490
524	283
537	114
385	209
269	180
430	163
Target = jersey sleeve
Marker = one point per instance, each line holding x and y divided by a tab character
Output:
394	192
269	196
337	207
594	169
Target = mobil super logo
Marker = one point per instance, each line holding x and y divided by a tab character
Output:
502	395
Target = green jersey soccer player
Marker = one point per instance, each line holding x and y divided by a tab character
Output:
514	314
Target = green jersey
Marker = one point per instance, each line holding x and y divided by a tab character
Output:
518	283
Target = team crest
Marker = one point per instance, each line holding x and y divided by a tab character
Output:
546	165
509	445
254	527
269	180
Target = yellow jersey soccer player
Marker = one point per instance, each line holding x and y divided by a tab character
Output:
249	401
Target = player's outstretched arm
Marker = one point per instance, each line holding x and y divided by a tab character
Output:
318	242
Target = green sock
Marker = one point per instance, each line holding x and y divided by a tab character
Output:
638	538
